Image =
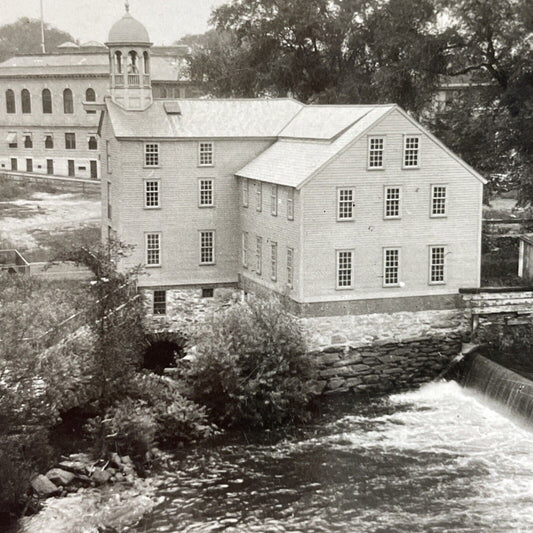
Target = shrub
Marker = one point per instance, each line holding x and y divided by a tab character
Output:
517	340
129	428
179	420
251	367
153	413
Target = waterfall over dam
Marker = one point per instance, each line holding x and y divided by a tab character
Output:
509	392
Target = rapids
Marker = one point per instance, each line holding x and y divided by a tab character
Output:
433	460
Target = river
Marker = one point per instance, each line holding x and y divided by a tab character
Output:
434	460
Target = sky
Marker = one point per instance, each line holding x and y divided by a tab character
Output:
165	20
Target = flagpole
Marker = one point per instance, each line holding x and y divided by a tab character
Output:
43	49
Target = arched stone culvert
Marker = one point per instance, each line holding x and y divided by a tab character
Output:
162	350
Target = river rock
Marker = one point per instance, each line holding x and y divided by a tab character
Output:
77	467
44	487
101	476
115	460
60	477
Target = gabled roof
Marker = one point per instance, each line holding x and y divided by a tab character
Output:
323	122
307	137
292	162
205	118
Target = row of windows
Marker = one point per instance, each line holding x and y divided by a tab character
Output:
206	154
152	193
273	258
50	168
70	141
411	152
391	267
206	248
392	203
46	101
274	198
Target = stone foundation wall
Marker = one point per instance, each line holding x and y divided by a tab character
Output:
363	330
186	306
385	366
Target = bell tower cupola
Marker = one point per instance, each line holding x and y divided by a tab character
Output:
129	60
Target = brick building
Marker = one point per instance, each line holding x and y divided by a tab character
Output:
43	125
340	209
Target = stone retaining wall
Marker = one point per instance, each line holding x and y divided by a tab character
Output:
386	366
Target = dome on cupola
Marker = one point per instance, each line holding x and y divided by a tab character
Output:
128	31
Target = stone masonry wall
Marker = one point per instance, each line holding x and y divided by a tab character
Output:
385	366
365	354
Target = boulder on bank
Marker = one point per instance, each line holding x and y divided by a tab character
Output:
61	477
101	476
43	487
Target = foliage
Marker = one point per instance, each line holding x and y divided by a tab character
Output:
24	37
516	340
128	427
154	412
179	419
31	382
251	367
363	51
115	318
492	128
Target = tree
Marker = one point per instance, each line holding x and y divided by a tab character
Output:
358	51
114	316
24	37
492	128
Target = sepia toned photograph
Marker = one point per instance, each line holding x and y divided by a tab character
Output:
266	266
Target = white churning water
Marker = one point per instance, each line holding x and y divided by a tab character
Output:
434	460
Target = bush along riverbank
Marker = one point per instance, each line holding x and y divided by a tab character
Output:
249	369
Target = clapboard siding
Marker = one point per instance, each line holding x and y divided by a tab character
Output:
271	228
179	219
459	231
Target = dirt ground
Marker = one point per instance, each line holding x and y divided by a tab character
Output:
36	220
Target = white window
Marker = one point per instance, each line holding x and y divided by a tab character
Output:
151	155
345	269
206	192
290	203
258	196
245	249
274	200
108	156
205	154
259	255
411	148
391	267
345	201
438	200
160	302
273	261
207	247
290	267
151	194
392	202
153	249
376	147
12	139
244	192
437	256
